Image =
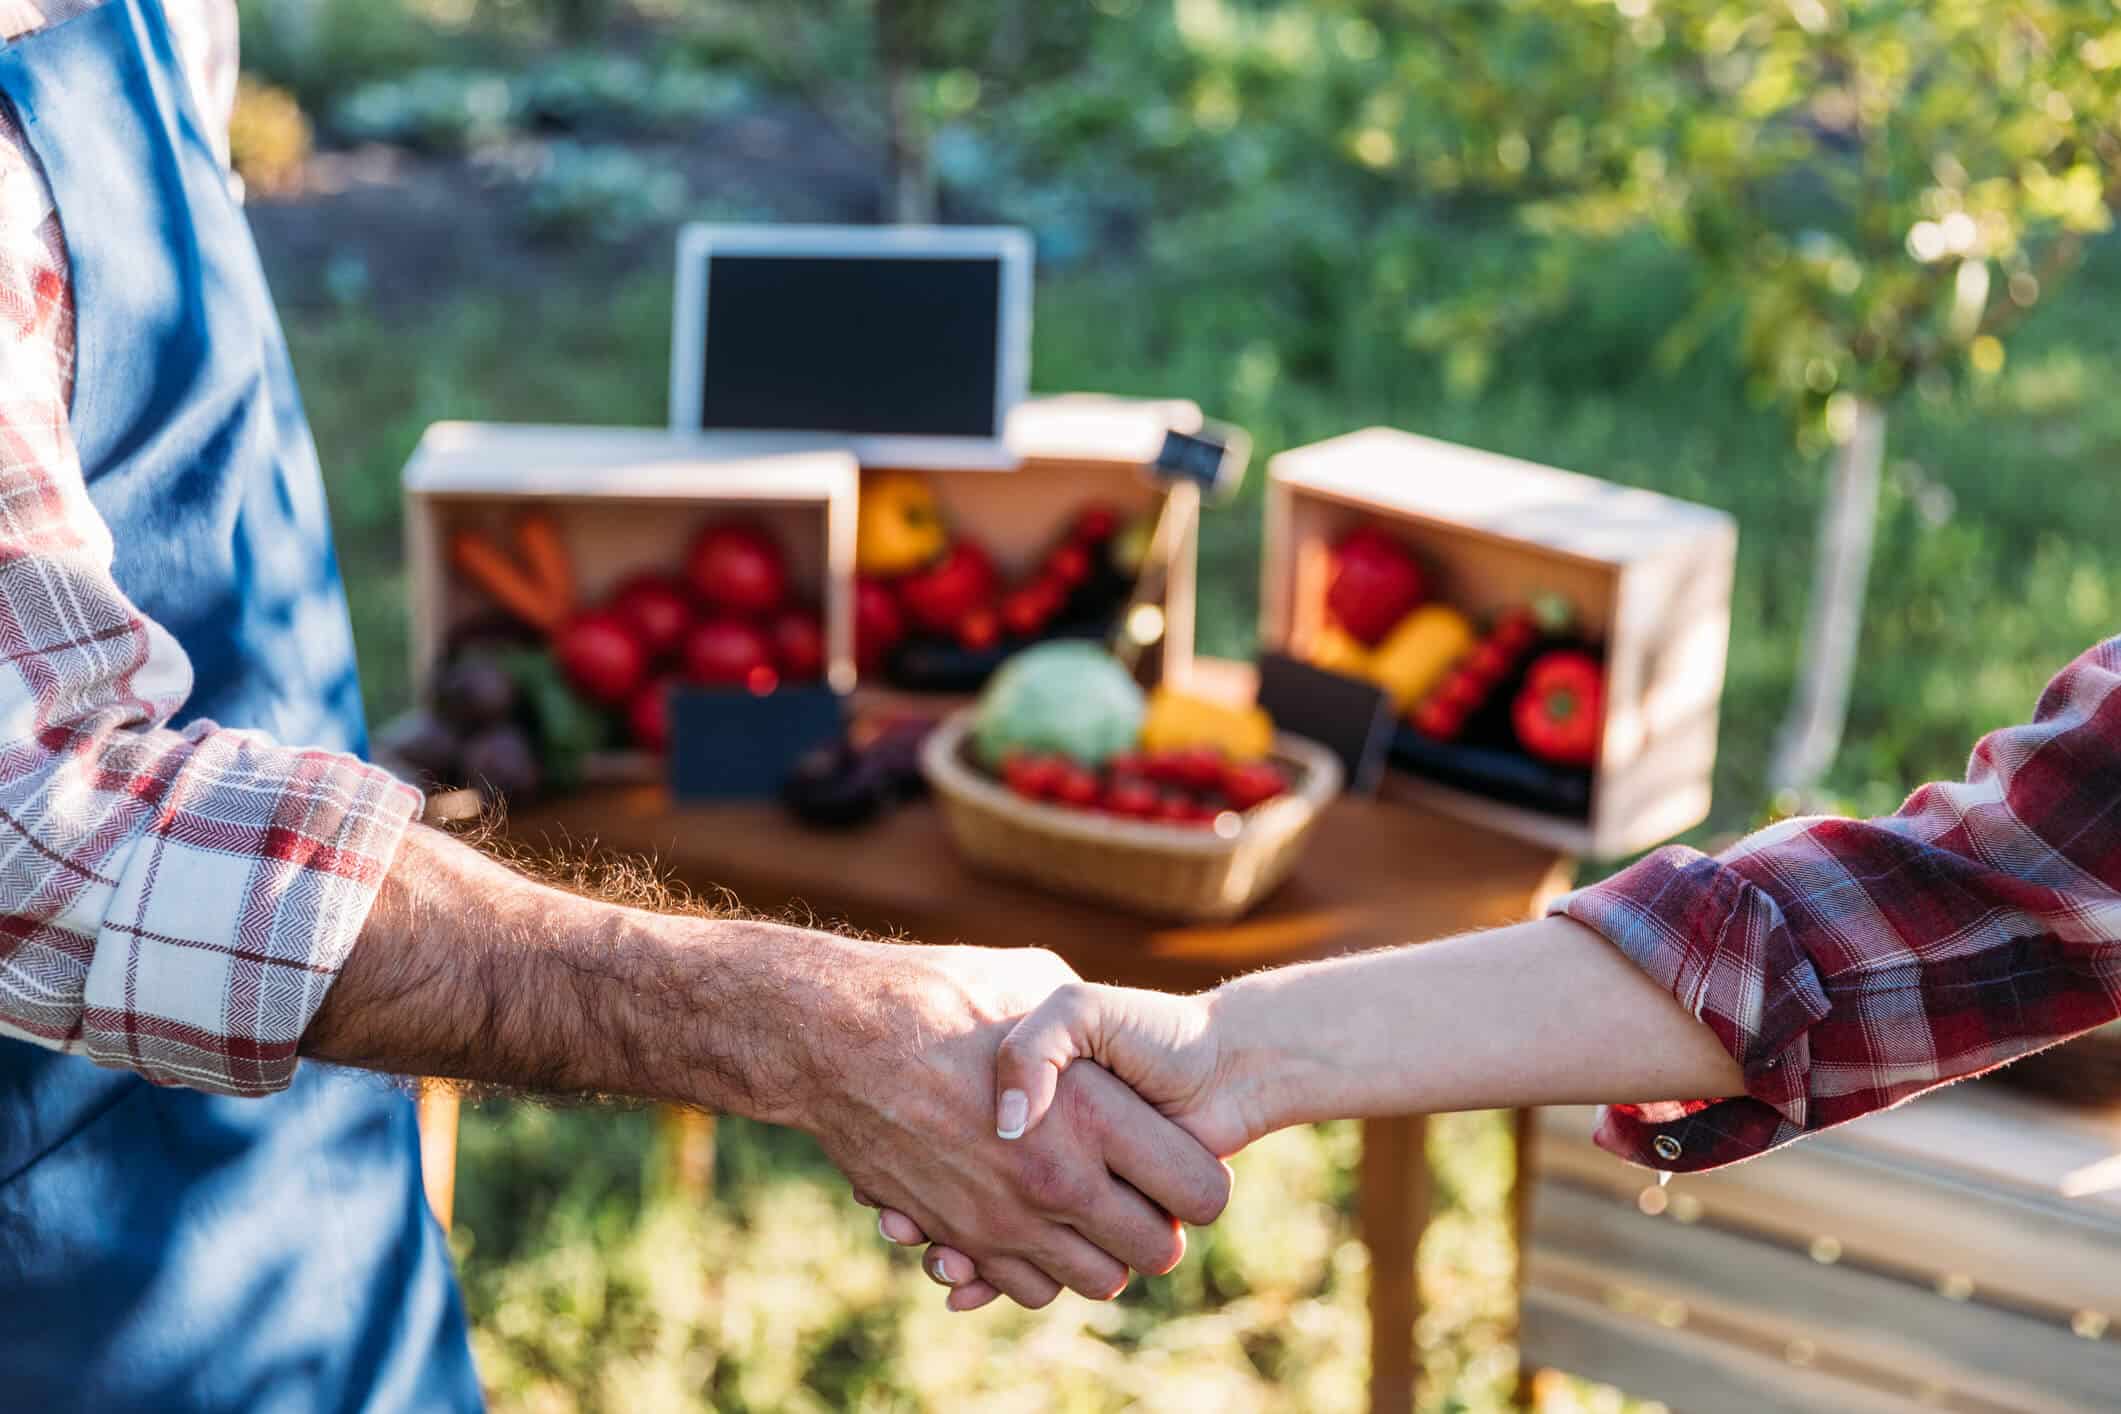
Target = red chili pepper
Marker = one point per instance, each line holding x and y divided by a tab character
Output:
1561	709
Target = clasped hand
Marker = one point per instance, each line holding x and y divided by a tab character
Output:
1054	1107
1095	1181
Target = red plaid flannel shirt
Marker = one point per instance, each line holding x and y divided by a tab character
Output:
175	903
1851	964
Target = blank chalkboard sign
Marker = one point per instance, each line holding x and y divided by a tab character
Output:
908	345
729	744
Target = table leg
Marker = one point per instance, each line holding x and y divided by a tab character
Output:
688	1150
437	1108
1524	1131
1395	1209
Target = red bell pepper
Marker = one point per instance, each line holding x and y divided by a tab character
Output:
1561	709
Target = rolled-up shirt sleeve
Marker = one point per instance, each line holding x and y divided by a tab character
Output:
1848	965
172	902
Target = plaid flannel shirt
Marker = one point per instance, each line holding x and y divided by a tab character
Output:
1849	965
175	903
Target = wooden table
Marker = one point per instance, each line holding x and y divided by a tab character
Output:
1374	875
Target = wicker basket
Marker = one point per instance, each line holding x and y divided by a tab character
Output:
1166	871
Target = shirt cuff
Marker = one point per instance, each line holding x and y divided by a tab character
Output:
231	919
1721	946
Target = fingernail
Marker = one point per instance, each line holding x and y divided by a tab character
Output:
1015	1108
936	1270
881	1231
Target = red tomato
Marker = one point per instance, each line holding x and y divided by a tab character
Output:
1376	581
1077	787
648	715
737	566
726	650
1096	524
1069	564
1131	797
657	609
979	630
798	643
601	657
938	598
878	624
1026	611
1250	783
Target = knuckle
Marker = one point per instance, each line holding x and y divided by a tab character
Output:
1049	1185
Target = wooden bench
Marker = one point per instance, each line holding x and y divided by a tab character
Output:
1961	1253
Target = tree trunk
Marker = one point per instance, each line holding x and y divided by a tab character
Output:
911	199
1811	733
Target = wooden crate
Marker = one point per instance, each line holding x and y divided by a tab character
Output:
1649	576
1962	1253
626	499
1075	450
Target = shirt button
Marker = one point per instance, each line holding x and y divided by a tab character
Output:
1666	1147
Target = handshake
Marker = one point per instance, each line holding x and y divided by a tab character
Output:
1042	1133
975	1128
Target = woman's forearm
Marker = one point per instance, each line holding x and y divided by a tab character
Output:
1542	1013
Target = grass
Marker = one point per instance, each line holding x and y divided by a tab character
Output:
593	1290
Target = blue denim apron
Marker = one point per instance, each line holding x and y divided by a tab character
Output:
162	1249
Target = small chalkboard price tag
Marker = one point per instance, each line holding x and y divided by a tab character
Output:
1213	458
1351	718
730	744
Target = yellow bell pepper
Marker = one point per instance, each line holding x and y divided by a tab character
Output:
1338	651
1415	655
897	526
1176	721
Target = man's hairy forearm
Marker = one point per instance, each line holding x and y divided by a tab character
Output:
471	971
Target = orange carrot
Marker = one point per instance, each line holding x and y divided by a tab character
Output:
485	564
538	537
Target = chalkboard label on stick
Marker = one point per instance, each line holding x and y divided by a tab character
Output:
1213	458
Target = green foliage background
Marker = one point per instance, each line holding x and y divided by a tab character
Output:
1308	217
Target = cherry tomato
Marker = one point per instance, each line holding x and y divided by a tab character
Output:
1173	808
1128	765
1200	768
1131	797
1026	611
1491	660
979	630
1077	787
1438	720
1515	631
1033	776
1069	564
1166	768
1251	783
1096	524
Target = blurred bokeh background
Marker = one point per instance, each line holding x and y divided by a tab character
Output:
1677	245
